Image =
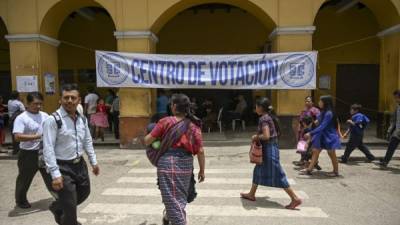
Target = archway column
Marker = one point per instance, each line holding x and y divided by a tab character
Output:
35	54
389	67
136	104
288	103
291	39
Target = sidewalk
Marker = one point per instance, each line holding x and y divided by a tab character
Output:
228	138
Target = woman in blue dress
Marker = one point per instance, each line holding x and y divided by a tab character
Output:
270	173
325	136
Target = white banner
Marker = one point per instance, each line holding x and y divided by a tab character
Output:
294	70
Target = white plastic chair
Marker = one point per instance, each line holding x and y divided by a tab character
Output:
219	119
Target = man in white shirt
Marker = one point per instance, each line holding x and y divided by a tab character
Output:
66	136
28	131
15	107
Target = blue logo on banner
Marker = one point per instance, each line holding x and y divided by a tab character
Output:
297	70
113	69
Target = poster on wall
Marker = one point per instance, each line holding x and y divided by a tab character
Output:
27	83
325	82
49	83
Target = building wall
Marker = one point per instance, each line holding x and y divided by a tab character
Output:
219	32
334	29
47	16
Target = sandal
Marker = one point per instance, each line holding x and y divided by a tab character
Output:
247	197
294	204
305	172
332	174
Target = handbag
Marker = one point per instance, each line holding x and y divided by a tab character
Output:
256	153
301	147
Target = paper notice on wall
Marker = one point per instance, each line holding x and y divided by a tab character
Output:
49	84
28	83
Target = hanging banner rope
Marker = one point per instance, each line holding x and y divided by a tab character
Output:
294	70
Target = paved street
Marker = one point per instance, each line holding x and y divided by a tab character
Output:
126	193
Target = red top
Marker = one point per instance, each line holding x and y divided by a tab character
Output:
101	108
194	133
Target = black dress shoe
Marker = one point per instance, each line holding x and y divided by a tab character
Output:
56	212
24	205
383	164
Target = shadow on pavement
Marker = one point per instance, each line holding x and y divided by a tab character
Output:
38	206
389	169
320	175
261	202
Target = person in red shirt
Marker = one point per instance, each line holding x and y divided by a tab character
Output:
175	166
99	119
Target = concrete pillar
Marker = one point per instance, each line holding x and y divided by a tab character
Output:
35	54
289	103
136	104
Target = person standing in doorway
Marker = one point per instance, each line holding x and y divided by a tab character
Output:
393	132
15	107
108	101
28	131
90	105
325	136
99	120
66	136
3	109
162	103
115	116
358	123
270	173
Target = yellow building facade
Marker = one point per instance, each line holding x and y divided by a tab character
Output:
60	36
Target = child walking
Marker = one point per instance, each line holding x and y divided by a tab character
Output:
358	123
99	119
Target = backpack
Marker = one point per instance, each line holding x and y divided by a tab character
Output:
58	120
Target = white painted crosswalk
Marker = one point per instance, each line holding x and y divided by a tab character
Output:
151	180
204	193
203	210
139	186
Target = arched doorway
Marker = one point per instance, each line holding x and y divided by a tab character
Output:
349	49
5	72
217	28
83	31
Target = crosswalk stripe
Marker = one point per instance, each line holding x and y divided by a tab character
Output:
203	210
146	180
208	171
202	193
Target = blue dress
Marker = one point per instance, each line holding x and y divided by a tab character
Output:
325	135
270	173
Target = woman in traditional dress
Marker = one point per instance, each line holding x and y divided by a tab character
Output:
270	173
175	166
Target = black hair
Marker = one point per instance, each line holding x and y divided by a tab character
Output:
357	107
307	120
70	87
111	91
98	100
265	104
327	101
34	95
396	93
14	95
183	107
